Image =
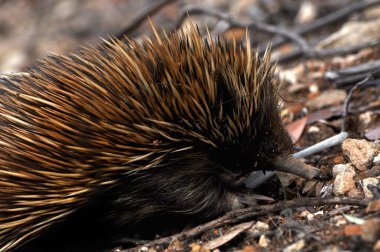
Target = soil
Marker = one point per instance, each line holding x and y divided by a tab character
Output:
30	29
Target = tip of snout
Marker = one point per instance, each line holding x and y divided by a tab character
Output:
296	166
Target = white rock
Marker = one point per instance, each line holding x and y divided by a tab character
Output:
361	152
343	183
263	241
294	247
339	168
376	160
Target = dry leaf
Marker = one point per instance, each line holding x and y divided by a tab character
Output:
296	128
232	233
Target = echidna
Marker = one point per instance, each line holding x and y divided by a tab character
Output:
173	123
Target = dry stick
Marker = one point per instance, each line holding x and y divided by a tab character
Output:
248	213
328	19
194	9
348	100
304	48
328	52
143	15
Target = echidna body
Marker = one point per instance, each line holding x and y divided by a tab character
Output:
173	123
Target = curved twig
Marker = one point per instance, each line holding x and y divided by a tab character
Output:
325	20
233	22
247	213
348	100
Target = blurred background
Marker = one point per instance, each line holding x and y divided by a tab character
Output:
317	83
29	29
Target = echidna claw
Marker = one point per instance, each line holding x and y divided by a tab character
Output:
375	190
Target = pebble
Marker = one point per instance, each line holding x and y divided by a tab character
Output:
344	180
361	152
259	228
294	247
376	160
376	247
340	168
263	241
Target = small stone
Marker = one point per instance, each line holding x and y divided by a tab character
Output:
376	160
340	168
295	247
313	129
343	183
304	214
263	241
310	217
369	181
366	118
376	247
194	248
360	152
259	228
371	230
262	226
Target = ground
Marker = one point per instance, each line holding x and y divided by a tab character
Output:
319	100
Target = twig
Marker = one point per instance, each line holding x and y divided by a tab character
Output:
328	19
303	47
247	213
264	27
328	52
348	100
375	191
142	16
327	143
366	68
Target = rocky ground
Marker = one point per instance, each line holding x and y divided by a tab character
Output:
331	85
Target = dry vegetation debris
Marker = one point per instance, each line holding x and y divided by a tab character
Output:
323	49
